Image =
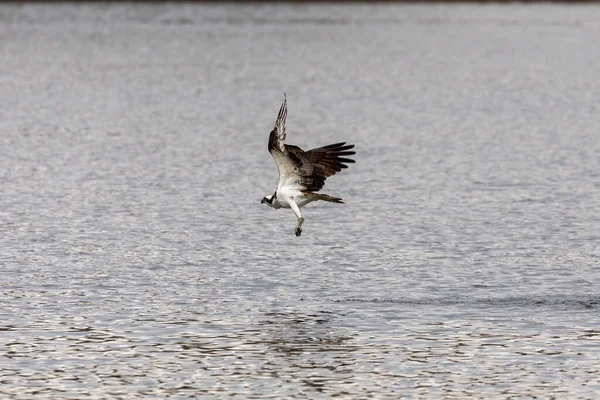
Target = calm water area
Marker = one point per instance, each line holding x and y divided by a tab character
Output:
136	261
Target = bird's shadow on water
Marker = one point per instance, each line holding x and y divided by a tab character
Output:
291	334
311	348
307	347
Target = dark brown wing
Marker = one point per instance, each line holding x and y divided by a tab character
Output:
314	166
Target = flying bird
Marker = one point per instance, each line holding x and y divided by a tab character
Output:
302	173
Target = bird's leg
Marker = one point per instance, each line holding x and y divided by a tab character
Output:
299	226
296	211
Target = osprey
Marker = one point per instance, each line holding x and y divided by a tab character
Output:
302	173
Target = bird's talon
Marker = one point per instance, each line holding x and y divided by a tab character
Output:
298	231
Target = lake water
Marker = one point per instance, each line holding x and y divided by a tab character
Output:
138	262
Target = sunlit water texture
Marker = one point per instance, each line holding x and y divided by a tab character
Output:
138	262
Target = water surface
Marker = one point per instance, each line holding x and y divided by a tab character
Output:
138	262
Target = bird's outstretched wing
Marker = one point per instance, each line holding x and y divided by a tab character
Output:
311	168
308	169
277	146
277	136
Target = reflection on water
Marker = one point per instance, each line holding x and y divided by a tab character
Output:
136	261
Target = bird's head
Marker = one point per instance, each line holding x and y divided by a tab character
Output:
268	200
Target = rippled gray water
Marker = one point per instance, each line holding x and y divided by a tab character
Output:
138	262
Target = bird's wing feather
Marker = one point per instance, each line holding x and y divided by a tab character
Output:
276	145
277	136
313	167
309	169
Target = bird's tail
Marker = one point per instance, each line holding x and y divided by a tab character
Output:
326	197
